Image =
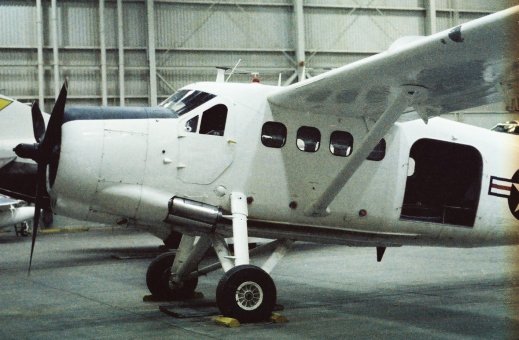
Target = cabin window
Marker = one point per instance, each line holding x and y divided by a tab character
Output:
443	183
308	139
192	124
213	121
183	101
341	143
379	152
273	134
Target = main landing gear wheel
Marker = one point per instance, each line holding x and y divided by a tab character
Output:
246	293
157	279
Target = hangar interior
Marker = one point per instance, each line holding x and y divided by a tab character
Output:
138	52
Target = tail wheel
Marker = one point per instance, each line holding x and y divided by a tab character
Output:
246	293
157	280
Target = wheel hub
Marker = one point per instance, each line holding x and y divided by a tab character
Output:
249	295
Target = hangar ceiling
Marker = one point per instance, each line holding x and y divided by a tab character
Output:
137	52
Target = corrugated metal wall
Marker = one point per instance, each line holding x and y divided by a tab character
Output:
194	36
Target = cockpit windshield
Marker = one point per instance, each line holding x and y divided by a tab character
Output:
184	101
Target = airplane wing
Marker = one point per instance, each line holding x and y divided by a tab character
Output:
12	213
7	202
6	160
470	65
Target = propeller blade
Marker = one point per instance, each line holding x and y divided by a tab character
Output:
38	124
53	133
59	106
40	191
42	152
35	223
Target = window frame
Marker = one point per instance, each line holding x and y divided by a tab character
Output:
271	141
308	129
374	154
348	135
203	127
190	99
186	122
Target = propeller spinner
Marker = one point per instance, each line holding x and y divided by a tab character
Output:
43	152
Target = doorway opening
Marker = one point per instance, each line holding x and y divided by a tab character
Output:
443	183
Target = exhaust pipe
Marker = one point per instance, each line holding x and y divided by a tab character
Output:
193	215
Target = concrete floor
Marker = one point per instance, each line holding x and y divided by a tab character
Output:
91	285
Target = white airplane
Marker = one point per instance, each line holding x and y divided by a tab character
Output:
16	118
12	213
333	159
17	175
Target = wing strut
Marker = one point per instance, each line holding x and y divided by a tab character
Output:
405	96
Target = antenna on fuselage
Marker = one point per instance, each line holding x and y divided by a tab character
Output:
233	69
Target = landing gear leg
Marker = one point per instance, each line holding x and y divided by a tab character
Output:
239	228
24	229
245	292
173	240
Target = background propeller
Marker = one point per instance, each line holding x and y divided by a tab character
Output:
43	152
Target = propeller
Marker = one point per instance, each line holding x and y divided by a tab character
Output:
38	125
43	152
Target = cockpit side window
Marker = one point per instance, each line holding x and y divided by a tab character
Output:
184	101
213	121
192	124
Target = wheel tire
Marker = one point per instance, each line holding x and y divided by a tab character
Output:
246	293
157	280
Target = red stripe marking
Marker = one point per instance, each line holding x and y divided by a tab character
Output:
501	187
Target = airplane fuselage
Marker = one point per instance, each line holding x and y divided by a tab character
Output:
442	183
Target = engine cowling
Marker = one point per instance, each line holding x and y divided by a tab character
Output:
102	163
